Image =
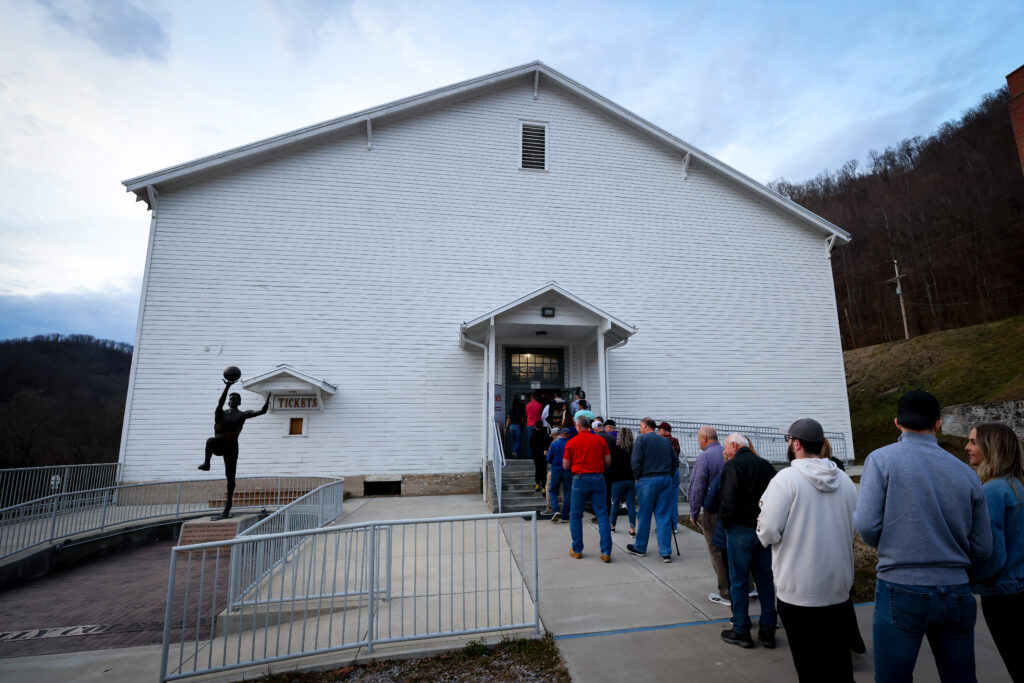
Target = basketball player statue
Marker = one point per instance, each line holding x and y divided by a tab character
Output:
227	425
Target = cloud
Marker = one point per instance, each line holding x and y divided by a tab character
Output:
106	315
120	28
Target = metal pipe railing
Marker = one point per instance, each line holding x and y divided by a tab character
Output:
769	442
352	585
316	509
52	518
23	484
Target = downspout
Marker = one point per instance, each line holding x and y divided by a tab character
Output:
605	378
486	441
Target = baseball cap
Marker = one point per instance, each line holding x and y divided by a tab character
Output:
609	423
917	410
807	429
596	423
565	431
666	426
581	393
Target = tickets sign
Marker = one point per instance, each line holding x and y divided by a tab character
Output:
297	403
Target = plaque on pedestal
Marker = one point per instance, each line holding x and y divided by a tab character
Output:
207	530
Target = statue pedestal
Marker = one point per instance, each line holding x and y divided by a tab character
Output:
208	530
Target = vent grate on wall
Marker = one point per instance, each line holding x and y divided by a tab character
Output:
534	153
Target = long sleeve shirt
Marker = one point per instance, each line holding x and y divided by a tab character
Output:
925	512
708	466
652	456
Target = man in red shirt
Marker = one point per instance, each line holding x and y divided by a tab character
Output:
587	456
534	409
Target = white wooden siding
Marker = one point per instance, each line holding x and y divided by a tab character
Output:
358	266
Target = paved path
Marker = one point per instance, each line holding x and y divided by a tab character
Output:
635	619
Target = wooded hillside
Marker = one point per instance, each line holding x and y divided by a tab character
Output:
949	207
61	399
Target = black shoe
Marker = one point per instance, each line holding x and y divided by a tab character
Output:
205	467
767	637
742	639
593	520
631	549
667	559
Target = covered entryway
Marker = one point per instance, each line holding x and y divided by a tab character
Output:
549	323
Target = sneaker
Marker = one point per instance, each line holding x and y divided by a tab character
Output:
613	530
753	594
606	558
536	487
547	511
718	599
632	532
742	639
767	637
556	517
593	520
631	549
575	555
667	559
204	467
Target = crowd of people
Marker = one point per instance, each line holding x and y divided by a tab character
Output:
943	531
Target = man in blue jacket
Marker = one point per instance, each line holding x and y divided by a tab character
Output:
925	512
559	477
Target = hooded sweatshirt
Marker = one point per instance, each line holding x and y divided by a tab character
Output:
807	519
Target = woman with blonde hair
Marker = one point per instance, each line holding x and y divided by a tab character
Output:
994	449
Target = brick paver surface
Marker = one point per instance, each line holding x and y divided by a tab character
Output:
126	590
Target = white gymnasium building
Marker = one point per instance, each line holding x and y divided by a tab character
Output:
394	276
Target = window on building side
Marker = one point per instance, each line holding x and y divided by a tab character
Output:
534	146
295	426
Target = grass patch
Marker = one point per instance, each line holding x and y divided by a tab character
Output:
513	659
966	365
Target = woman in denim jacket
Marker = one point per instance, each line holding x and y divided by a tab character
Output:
995	450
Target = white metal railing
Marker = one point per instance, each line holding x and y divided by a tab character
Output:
22	484
497	457
316	509
56	517
769	442
351	586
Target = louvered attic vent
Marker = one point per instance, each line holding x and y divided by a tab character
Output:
534	152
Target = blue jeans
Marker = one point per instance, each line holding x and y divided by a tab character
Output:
563	479
904	615
529	437
624	491
589	487
746	555
517	438
654	494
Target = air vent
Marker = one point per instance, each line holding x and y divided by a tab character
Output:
534	147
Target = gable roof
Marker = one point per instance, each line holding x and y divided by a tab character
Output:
616	328
252	152
285	370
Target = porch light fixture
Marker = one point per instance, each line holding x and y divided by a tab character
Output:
547	312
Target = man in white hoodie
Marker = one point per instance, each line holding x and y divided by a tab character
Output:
807	519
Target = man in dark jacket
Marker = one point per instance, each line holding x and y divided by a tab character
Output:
651	462
745	476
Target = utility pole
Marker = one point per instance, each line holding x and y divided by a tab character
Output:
899	293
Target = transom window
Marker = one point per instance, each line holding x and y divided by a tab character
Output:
536	367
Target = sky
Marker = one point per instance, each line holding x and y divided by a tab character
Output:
94	92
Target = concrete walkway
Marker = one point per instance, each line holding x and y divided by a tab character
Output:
635	619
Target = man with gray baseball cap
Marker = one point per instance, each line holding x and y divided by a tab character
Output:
925	511
814	500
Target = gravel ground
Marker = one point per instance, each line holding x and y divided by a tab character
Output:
512	660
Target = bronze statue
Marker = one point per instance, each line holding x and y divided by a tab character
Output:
227	425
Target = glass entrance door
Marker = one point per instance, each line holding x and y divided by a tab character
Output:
529	370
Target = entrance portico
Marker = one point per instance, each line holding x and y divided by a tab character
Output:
552	322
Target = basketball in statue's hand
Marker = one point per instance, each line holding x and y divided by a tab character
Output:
232	374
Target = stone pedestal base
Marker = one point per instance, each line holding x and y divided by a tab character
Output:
216	529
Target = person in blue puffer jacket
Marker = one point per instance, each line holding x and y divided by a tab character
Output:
996	451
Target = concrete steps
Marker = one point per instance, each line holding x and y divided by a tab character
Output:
517	488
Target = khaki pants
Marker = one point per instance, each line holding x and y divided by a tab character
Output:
717	559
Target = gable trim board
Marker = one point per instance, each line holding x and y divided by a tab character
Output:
144	185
